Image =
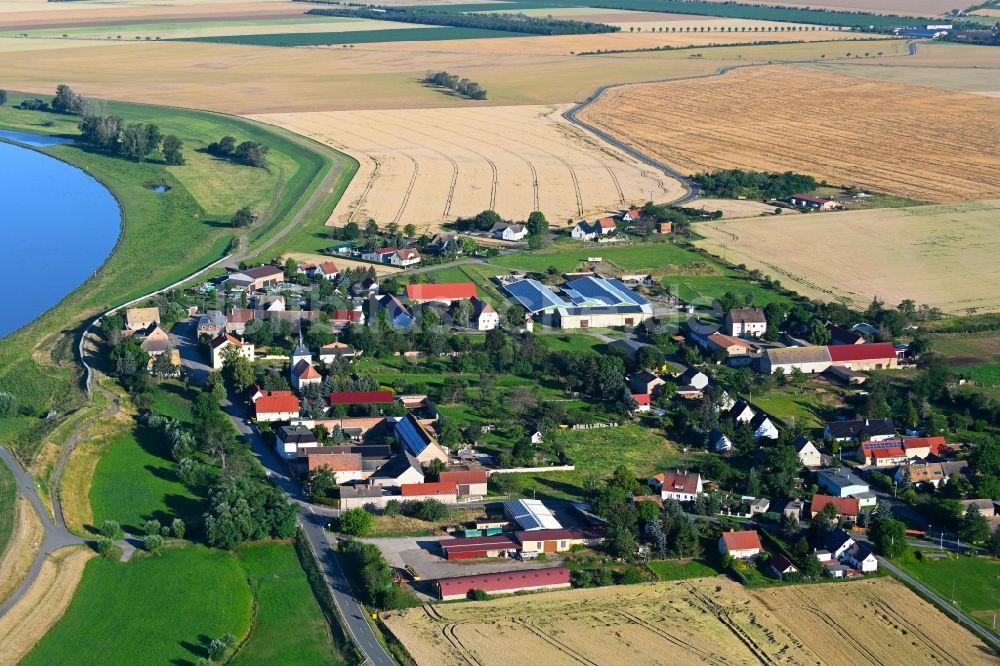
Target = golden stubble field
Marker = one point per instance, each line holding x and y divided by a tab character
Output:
897	7
943	255
429	166
706	621
912	141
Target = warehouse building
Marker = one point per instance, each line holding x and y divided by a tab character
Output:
505	582
585	302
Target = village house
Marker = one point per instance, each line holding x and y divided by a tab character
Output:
592	231
509	232
398	314
346	467
737	350
445	293
290	439
380	255
507	582
155	340
269	302
694	378
276	406
225	341
885	453
848	508
809	455
484	315
842	336
740	545
741	412
402	469
644	381
664	227
403	257
632	215
781	566
535	542
763	427
815	203
331	352
746	322
681	486
325	271
642	402
414	437
699	332
237	320
864	357
718	441
794	508
856	554
840	482
873	430
923	447
930	473
138	319
367	287
255	279
987	507
211	324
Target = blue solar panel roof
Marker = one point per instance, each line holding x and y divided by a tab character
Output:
533	295
410	436
629	295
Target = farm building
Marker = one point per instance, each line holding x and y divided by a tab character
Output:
276	406
414	437
254	279
361	496
498	545
509	232
553	541
226	340
470	483
446	293
681	486
507	582
809	360
861	357
746	322
922	447
933	473
331	352
741	545
484	315
403	469
137	319
642	402
644	381
592	302
441	490
531	515
345	466
840	482
815	203
361	398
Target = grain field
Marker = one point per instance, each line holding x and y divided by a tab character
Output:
429	166
943	255
706	621
912	141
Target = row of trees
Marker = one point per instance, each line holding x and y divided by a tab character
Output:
765	185
249	153
484	21
463	87
133	141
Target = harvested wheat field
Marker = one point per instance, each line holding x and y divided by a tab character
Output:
897	7
711	620
942	255
911	141
733	209
429	166
877	621
20	553
43	605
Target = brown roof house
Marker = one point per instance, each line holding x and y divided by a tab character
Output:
137	319
741	545
678	485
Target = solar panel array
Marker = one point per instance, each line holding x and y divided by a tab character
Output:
531	515
533	295
409	434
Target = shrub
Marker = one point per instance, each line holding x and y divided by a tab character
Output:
111	530
478	595
152	543
356	522
105	547
151	527
178	528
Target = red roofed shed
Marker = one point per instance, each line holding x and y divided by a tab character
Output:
504	582
451	291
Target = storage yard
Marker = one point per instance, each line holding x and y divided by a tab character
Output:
916	142
434	165
709	620
924	253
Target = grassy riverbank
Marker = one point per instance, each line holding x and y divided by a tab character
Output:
165	235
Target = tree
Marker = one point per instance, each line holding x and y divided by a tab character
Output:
888	535
110	529
993	545
244	217
218	647
177	528
686	542
68	101
319	482
621	536
151	527
252	153
215	385
435	467
138	141
648	512
823	524
172	150
538	228
789	525
974	527
8	405
356	522
658	536
105	547
248	509
152	543
3	96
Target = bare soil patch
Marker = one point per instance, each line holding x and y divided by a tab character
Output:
43	604
911	141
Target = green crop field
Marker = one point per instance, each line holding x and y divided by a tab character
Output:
153	609
358	37
8	496
975	581
694	7
136	480
289	627
566	256
166	235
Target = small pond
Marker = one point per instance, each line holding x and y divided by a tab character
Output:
35	140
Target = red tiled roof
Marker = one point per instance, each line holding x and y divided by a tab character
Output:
273	402
641	398
449	290
606	223
464	476
348	315
360	397
846	506
936	444
686	482
328	268
385	250
306	370
224	338
634	213
419	489
747	540
893	452
869	351
240	316
505	581
407	253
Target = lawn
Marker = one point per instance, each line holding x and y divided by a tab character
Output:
566	256
987	374
480	274
682	569
8	496
171	399
975	581
812	404
154	609
358	36
136	480
165	235
974	355
573	342
289	627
